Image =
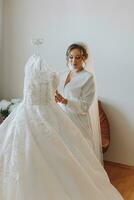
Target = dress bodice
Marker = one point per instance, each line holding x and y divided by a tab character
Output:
40	82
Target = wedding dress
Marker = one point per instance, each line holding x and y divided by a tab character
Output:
43	156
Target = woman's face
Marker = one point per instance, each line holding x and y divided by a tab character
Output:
76	59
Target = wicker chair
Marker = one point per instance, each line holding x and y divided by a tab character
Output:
105	128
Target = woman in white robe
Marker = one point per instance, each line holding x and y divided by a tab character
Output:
76	90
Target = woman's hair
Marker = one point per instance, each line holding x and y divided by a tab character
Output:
82	47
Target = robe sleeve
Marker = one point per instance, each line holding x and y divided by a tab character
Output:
82	104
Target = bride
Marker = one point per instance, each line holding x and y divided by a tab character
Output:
43	156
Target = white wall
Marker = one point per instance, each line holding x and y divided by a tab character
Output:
108	28
1	32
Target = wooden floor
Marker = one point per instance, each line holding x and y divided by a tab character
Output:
122	177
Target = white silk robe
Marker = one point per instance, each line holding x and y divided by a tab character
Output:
79	92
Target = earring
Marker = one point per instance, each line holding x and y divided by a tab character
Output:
83	64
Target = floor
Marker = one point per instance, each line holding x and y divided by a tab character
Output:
122	177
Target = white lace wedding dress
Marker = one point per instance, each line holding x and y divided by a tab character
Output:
43	156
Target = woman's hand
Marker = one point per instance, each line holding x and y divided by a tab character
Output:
60	99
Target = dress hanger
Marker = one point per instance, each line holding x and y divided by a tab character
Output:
36	43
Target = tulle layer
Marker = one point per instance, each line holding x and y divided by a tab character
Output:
44	156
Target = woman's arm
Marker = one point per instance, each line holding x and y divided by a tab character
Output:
87	95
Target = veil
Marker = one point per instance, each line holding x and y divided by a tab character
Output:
94	112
